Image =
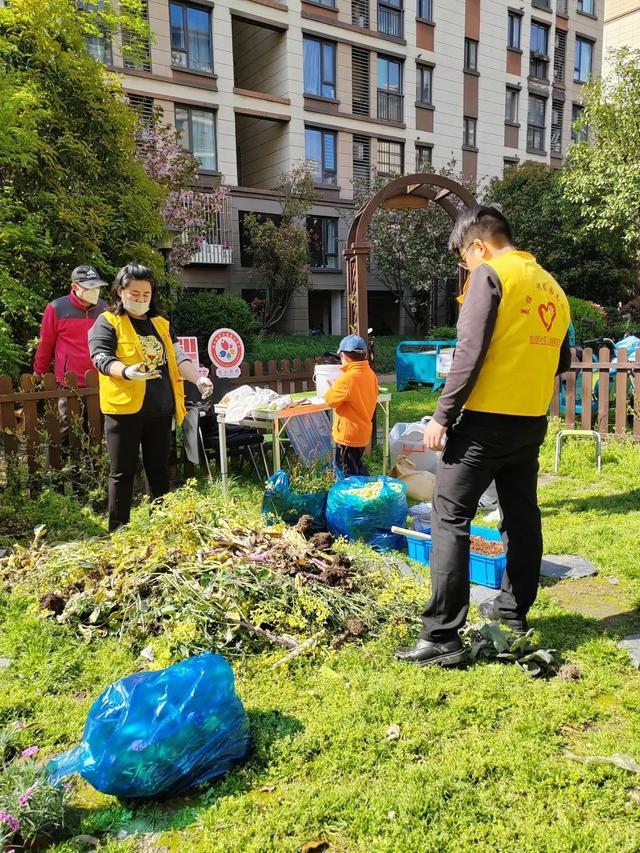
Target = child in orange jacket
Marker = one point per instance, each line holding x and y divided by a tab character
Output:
353	396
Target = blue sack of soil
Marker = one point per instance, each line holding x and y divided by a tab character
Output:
280	501
366	508
157	734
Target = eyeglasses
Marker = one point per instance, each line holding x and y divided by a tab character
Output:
462	262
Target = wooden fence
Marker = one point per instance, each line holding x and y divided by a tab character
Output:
600	395
30	423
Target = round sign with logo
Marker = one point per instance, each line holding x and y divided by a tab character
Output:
226	351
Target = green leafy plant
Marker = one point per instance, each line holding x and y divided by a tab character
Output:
30	807
200	314
493	642
589	320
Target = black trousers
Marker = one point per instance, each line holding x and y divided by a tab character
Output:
349	460
125	434
480	448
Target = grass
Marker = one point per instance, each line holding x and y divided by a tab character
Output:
480	763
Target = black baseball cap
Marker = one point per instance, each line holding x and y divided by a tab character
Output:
87	277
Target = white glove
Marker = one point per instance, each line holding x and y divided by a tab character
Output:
140	371
205	386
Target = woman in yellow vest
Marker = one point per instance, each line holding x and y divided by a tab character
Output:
141	368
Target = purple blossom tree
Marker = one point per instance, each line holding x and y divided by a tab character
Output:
190	216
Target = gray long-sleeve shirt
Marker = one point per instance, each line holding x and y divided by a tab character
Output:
475	327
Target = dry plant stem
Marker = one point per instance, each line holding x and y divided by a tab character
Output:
302	647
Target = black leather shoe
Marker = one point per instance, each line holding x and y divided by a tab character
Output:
426	652
518	625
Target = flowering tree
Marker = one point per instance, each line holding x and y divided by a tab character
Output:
280	246
409	253
187	213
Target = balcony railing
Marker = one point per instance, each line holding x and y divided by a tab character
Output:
216	248
535	137
390	21
538	68
389	106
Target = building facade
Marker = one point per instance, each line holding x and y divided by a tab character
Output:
355	86
621	27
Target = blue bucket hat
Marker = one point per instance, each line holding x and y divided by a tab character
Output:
352	343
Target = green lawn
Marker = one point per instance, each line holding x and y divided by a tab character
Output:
480	764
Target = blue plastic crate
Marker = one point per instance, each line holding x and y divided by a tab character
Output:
483	570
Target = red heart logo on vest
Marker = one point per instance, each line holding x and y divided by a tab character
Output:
547	315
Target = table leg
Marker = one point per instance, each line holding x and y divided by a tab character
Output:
385	439
222	435
276	445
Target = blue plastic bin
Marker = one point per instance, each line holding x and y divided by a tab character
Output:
483	570
416	361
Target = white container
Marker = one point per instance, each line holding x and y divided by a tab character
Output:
324	376
408	440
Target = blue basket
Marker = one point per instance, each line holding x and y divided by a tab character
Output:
483	570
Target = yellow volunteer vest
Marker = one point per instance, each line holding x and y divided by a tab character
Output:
124	396
518	372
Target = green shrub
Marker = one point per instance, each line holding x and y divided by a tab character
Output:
442	333
200	314
279	347
589	320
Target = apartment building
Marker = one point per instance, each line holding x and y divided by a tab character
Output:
621	27
355	86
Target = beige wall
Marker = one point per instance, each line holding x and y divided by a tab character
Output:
260	59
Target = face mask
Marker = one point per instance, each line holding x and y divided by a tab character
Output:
90	295
137	308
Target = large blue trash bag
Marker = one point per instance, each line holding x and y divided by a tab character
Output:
359	509
156	734
280	500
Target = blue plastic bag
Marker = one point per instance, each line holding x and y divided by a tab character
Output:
359	509
281	501
156	734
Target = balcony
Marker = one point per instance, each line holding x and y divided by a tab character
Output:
216	248
389	106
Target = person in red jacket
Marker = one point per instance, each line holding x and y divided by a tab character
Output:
64	334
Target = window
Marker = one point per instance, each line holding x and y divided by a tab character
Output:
390	17
191	42
582	134
329	3
389	89
515	29
587	7
390	159
424	158
470	55
583	60
469	131
320	148
511	105
509	163
425	85
536	123
99	46
246	249
539	57
323	242
319	68
197	129
425	10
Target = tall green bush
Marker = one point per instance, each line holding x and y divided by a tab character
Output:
200	314
589	320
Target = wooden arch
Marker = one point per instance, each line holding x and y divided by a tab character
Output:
408	191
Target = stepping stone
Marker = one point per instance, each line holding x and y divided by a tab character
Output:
406	570
5	663
480	594
631	643
566	566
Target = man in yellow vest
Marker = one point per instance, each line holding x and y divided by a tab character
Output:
512	341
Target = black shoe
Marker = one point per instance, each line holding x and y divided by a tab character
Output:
517	624
426	652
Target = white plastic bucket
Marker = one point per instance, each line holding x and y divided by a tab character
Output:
324	376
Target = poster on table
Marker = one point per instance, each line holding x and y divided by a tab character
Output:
226	351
